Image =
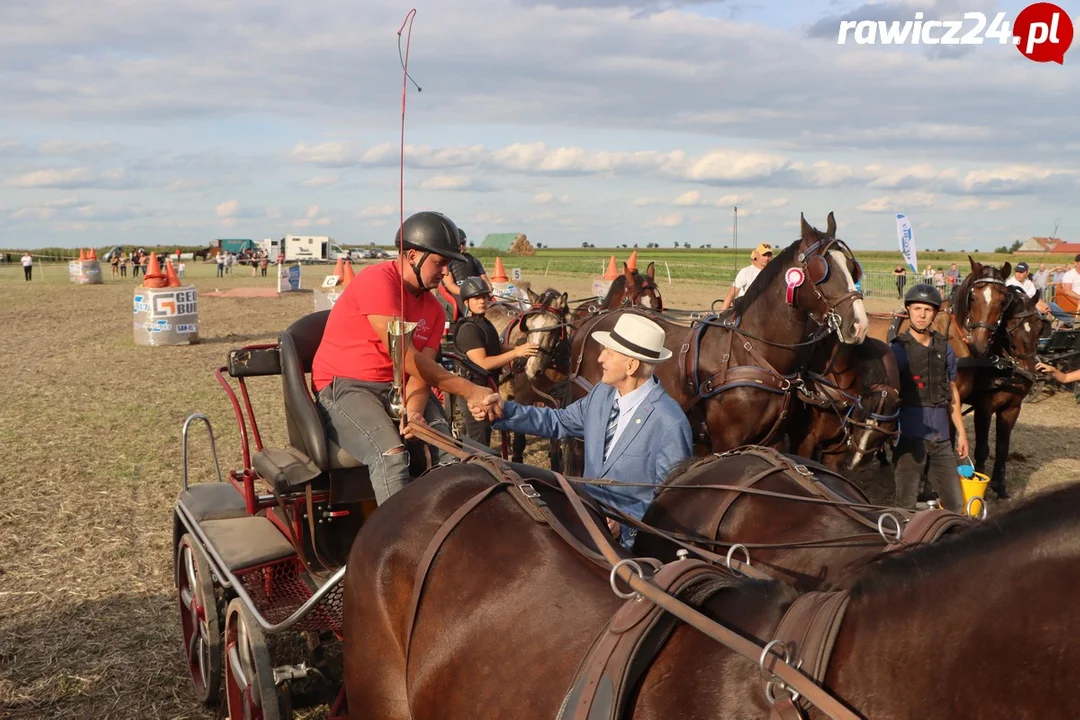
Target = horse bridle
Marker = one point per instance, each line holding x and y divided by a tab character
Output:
549	353
814	262
993	328
646	284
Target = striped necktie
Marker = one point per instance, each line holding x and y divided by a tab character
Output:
612	424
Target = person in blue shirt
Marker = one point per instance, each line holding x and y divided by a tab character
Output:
930	402
633	430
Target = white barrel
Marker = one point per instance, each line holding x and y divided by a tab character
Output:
166	316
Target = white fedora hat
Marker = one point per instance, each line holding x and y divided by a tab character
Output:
637	337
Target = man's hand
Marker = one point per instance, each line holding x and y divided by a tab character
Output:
487	407
406	428
525	350
1042	307
614	528
961	445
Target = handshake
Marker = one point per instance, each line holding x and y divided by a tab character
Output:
487	406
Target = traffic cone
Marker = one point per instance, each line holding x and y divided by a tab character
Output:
82	254
347	274
631	264
154	277
339	269
500	272
92	255
611	273
170	275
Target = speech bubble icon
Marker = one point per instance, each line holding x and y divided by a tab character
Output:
1043	32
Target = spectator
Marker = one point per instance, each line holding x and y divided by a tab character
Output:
901	280
28	265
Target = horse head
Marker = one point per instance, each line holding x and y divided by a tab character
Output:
979	304
876	415
1022	328
544	324
827	292
641	290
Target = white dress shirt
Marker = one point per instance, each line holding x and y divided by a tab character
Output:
1027	286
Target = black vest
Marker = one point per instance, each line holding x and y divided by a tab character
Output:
925	380
492	342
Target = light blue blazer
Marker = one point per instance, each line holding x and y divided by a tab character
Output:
657	438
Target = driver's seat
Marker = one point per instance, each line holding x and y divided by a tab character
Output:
311	457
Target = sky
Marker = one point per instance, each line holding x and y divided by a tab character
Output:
602	121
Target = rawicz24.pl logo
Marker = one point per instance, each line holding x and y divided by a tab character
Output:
1042	32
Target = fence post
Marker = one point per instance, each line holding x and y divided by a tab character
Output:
668	272
547	268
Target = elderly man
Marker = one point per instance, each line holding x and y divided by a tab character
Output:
758	260
633	430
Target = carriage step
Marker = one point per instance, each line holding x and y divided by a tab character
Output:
246	542
213	501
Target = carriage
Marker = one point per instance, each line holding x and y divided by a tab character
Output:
259	554
1062	350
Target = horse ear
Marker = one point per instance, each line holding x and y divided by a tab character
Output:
1037	296
975	265
629	274
650	271
807	231
564	300
1006	270
831	230
533	297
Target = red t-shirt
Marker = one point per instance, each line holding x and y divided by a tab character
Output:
349	347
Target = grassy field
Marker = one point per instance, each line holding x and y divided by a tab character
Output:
90	468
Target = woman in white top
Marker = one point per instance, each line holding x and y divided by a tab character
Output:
758	260
27	265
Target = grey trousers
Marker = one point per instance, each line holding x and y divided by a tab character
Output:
357	418
912	455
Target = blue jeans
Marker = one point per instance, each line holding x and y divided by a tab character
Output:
356	418
1060	314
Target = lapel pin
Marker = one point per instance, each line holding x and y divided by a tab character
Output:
638	421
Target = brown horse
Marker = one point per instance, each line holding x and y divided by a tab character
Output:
430	632
631	289
735	376
807	543
849	410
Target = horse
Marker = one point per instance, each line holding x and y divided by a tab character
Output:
849	409
202	253
631	289
430	632
771	506
735	376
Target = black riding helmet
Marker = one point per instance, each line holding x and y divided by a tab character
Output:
431	233
923	293
473	287
462	237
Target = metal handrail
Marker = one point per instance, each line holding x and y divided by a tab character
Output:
213	445
228	580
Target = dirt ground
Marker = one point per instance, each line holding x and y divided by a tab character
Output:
91	465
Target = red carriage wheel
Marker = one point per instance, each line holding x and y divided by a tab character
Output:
249	673
199	619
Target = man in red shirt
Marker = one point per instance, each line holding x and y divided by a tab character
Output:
352	369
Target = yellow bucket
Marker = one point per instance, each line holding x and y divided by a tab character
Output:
975	494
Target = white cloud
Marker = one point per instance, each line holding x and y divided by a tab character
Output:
321	181
375	211
899	203
690	197
549	198
672	220
447	182
228	209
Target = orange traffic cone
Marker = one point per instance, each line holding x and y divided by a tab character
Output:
500	272
339	268
347	274
92	255
154	277
611	273
82	254
170	275
631	264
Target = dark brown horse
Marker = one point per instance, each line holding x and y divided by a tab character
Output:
849	410
978	304
452	611
734	376
631	289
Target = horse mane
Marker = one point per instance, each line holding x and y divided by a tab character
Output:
1047	525
867	359
618	284
776	266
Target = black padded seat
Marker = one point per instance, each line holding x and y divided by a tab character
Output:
213	501
246	542
285	468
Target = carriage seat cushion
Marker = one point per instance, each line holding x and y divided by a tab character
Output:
247	541
213	501
285	468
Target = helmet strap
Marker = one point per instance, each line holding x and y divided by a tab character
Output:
416	271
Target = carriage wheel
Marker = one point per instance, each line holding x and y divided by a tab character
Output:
200	620
249	674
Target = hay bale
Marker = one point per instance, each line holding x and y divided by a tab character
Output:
522	246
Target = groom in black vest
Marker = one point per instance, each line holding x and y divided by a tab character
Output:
930	402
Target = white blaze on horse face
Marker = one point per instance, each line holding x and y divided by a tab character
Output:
646	301
858	308
988	296
546	340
